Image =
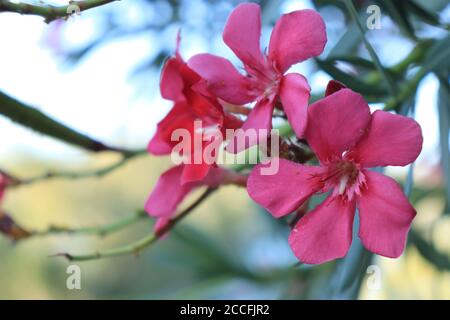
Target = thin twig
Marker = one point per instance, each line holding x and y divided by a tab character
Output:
136	247
73	175
49	12
101	230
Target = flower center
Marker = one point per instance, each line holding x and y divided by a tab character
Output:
265	80
344	178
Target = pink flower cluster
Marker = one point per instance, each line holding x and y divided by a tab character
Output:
345	136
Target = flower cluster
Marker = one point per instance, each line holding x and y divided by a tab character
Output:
345	137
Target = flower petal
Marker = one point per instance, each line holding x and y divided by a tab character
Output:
242	33
179	117
257	126
385	215
171	82
392	140
284	191
223	78
294	93
168	193
325	233
297	36
336	123
194	172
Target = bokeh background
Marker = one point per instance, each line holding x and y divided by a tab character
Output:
98	73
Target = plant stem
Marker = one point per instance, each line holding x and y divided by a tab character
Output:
138	246
51	13
15	182
102	230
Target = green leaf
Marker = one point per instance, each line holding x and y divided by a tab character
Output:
444	130
440	260
348	43
388	81
438	57
349	80
424	14
398	13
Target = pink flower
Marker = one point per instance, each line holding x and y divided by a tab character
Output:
169	191
192	101
296	37
4	181
347	140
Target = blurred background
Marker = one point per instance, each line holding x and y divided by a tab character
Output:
98	73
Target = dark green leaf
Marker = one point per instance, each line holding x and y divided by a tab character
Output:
350	80
444	130
440	260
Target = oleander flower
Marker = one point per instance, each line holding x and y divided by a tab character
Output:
169	190
347	140
192	101
296	37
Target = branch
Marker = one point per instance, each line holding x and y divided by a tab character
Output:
102	230
15	232
138	246
98	173
49	12
38	121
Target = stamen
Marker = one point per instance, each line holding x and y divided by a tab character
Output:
343	184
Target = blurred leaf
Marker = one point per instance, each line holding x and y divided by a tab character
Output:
349	80
438	56
422	13
348	43
444	130
440	260
201	252
398	13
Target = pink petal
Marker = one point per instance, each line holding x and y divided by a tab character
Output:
259	121
179	117
231	122
242	32
160	227
385	215
325	233
158	144
194	172
168	193
294	93
392	140
334	86
171	83
285	191
336	123
223	78
297	36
